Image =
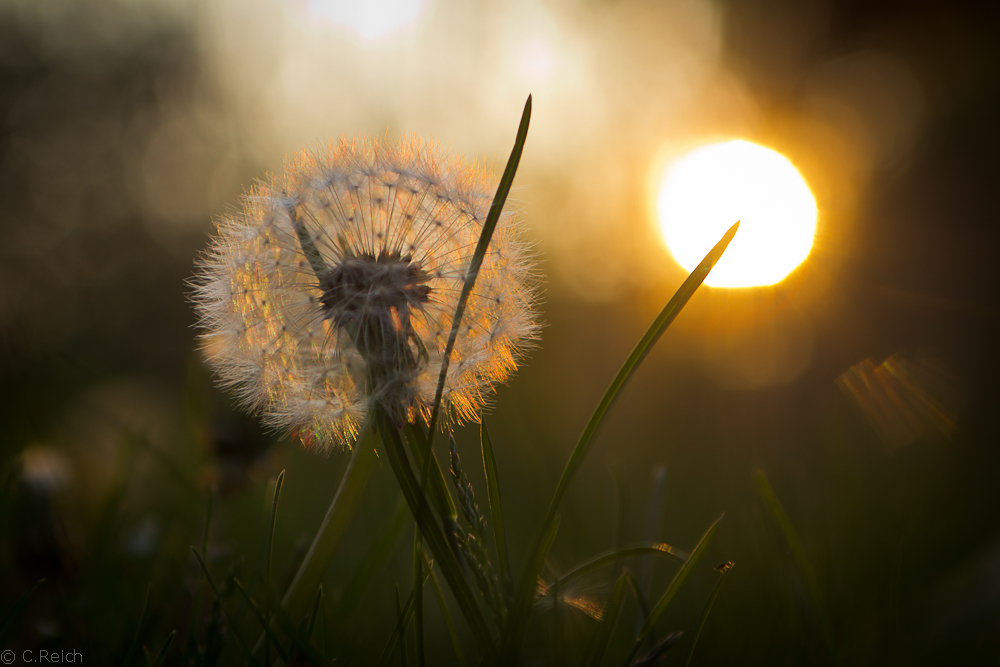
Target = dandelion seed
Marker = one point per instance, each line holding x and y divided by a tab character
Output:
334	288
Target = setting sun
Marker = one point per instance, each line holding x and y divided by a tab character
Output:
705	192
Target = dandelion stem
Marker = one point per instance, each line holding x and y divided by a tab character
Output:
310	574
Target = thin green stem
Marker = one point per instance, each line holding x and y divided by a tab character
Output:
418	595
331	531
433	535
267	556
499	199
524	594
801	560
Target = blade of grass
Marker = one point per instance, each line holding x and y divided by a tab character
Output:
190	649
499	199
324	545
400	623
643	606
675	585
298	642
375	558
475	264
270	528
679	579
16	608
653	519
446	613
798	553
133	648
326	634
264	624
610	557
525	587
601	637
158	660
443	555
315	613
708	607
418	596
496	511
402	620
439	492
293	631
655	657
247	655
267	554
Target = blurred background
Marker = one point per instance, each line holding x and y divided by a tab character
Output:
864	384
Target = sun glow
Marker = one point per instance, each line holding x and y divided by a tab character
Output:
708	190
371	19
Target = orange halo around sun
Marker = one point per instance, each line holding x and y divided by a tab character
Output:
701	195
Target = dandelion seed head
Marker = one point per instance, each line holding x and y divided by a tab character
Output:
315	341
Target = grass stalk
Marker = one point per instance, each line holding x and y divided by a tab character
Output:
799	554
524	593
331	531
725	568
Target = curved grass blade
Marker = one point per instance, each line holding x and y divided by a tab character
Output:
298	642
418	595
402	625
598	645
642	604
438	489
726	568
436	541
485	236
439	492
496	511
267	554
270	528
264	624
677	582
456	644
509	649
655	657
503	189
642	348
158	660
610	557
229	619
326	633
654	514
524	591
191	648
402	620
338	516
133	648
16	608
799	554
375	558
315	613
